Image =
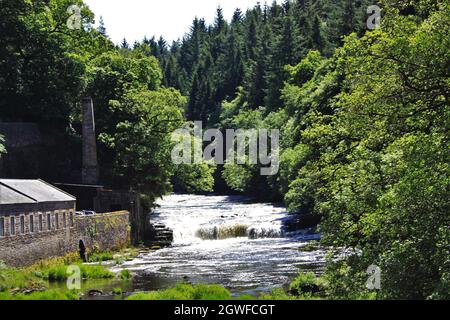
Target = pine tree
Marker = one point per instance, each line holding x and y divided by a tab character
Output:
237	17
125	44
318	41
101	27
348	22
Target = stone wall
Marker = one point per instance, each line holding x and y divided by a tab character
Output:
107	231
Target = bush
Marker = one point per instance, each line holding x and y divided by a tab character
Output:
308	285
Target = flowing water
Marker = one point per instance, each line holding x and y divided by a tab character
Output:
225	240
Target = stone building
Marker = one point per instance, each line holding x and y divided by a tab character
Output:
38	221
33	206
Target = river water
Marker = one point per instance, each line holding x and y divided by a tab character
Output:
231	241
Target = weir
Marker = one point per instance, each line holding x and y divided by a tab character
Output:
226	240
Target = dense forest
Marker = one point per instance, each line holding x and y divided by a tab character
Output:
364	117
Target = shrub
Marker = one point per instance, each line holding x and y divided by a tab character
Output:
308	285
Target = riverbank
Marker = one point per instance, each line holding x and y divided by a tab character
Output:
39	282
223	247
48	279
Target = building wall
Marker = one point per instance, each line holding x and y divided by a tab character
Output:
104	232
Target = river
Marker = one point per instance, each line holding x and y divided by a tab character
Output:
231	241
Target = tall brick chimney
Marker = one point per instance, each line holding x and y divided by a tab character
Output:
89	174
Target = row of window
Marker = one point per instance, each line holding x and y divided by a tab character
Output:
52	222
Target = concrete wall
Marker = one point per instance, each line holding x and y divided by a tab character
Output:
104	232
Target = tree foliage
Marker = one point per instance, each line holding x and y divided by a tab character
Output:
363	117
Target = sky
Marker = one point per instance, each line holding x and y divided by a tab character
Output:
134	19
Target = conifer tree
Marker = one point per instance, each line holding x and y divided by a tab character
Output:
101	27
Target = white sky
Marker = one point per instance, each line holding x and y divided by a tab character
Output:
134	19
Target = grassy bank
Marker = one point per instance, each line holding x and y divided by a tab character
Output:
304	287
32	283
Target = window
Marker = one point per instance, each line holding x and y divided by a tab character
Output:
57	220
64	220
49	221
12	226
31	223
71	218
41	224
22	224
2	227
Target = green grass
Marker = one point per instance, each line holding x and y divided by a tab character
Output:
32	283
11	278
277	294
101	257
186	292
125	274
15	282
304	287
41	295
117	291
59	272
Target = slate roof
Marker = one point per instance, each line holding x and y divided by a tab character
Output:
30	191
